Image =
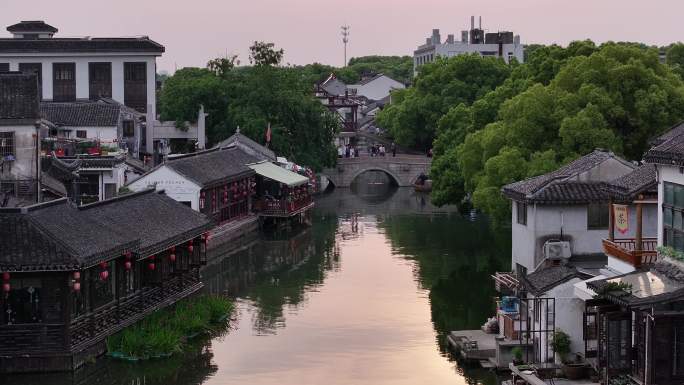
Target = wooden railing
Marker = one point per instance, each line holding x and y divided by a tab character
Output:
32	338
626	250
283	207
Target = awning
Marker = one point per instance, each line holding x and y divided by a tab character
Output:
279	174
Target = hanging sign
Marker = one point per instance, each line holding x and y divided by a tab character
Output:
621	215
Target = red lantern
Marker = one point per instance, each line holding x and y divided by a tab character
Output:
151	266
77	275
190	248
5	276
77	286
128	265
104	275
172	257
6	287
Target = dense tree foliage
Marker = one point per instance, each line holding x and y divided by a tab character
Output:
561	104
399	68
413	117
251	98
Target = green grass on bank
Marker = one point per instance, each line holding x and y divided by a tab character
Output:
166	331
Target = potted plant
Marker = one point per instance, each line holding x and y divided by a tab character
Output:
517	353
561	346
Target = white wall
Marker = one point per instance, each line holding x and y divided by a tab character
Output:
24	167
377	89
544	222
107	135
174	185
569	312
81	61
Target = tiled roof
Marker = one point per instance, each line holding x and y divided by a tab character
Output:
571	192
668	148
214	166
92	45
556	184
32	26
81	114
60	236
544	279
249	146
641	180
18	96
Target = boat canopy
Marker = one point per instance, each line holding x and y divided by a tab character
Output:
279	174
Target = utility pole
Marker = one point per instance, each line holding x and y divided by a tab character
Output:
345	40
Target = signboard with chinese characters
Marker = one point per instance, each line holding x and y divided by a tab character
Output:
621	215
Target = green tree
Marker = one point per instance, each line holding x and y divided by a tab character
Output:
222	65
413	118
265	54
675	58
561	104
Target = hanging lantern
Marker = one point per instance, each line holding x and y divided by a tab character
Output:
104	275
77	275
77	286
172	257
128	265
6	287
151	266
5	276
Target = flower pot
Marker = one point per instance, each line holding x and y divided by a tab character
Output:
574	371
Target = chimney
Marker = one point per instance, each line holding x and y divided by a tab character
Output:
480	22
436	38
450	39
464	37
201	129
472	22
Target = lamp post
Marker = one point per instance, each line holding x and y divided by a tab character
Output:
37	125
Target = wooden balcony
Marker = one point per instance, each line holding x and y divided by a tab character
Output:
283	208
626	250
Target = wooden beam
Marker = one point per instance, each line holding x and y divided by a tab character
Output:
639	213
611	221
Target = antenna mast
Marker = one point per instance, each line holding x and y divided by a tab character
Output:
345	40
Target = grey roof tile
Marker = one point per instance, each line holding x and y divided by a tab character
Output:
60	236
81	114
215	166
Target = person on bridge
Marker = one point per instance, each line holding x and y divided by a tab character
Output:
393	148
382	150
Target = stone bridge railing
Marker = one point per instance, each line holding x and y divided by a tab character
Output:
404	169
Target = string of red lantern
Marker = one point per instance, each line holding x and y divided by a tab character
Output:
6	287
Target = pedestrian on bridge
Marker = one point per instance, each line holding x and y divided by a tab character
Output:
393	148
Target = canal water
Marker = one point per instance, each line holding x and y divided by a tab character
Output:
366	295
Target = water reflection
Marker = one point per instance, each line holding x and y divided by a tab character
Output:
364	296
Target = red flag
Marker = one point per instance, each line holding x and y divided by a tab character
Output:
268	133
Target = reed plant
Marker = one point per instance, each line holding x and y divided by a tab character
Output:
165	332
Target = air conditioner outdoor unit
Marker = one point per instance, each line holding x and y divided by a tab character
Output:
556	250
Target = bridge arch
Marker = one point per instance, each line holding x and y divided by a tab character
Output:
404	170
391	174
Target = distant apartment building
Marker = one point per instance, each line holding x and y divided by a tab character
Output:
501	44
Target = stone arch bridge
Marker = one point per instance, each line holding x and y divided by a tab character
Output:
404	169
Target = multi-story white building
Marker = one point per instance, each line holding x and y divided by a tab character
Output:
494	44
89	68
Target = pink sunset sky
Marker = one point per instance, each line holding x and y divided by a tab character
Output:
309	30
